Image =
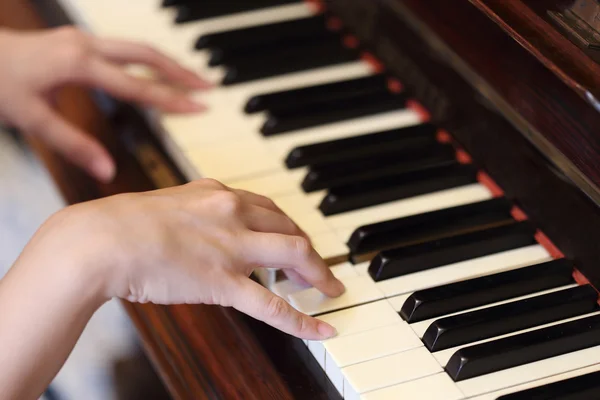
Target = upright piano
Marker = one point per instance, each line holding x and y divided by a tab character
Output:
443	156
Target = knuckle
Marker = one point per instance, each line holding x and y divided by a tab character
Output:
228	202
276	308
211	183
301	247
73	48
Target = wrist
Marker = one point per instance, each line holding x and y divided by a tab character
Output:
65	254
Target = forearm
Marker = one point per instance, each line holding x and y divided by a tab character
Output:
46	300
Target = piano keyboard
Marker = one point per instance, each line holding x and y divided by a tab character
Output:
451	292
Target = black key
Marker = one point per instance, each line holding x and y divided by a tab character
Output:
583	387
319	94
383	190
524	348
288	60
501	319
406	260
458	296
335	111
428	226
233	53
170	3
279	32
359	170
198	10
387	142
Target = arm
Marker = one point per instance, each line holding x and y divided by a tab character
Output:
192	244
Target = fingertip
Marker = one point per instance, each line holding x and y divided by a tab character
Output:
104	169
325	330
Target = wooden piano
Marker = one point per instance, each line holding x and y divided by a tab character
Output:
443	155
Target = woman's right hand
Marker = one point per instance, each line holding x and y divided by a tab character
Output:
196	243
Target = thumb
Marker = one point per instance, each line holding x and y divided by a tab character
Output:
258	302
71	143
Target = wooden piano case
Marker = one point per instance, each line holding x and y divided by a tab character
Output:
516	83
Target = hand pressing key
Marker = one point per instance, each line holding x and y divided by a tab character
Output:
196	243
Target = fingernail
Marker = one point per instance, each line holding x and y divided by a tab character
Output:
340	286
325	330
104	169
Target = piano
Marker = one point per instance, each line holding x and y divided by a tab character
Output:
443	156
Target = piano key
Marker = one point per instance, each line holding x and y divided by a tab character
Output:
454	297
499	262
383	190
235	54
193	11
406	207
365	346
497	395
433	387
359	290
281	145
284	288
354	320
419	257
288	60
484	358
509	317
321	177
379	143
581	387
193	131
284	30
387	371
321	113
530	372
317	94
421	327
426	226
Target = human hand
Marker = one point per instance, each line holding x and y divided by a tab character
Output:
36	64
196	243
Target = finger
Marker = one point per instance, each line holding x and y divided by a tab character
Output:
129	52
117	82
295	277
291	252
74	145
258	302
265	202
260	219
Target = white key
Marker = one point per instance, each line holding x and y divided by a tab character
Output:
387	371
359	290
329	245
287	287
530	372
414	205
434	387
363	268
443	356
354	320
421	326
473	268
540	382
304	213
348	350
273	185
232	140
